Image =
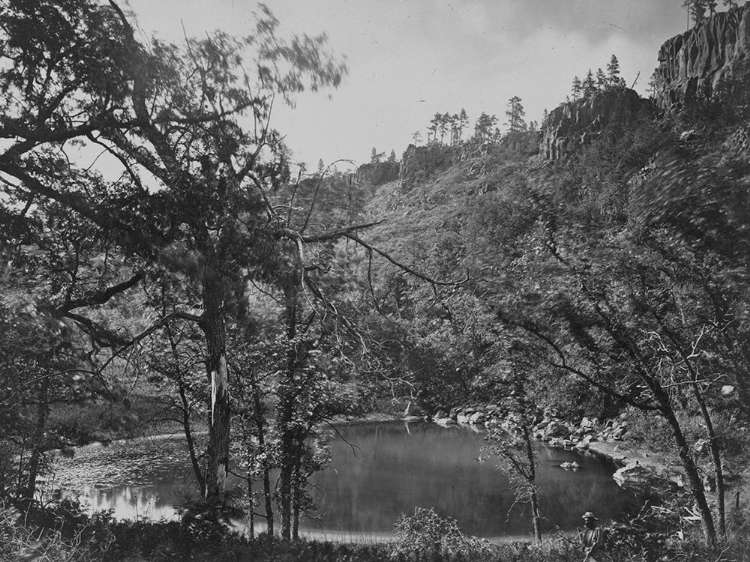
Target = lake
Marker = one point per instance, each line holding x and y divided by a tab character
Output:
382	470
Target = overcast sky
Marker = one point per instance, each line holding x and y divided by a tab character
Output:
409	59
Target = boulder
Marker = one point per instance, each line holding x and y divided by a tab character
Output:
439	415
644	481
477	418
587	422
445	422
727	390
619	432
557	429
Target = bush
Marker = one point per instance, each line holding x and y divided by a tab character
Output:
426	534
57	532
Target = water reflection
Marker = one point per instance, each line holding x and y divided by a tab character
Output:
391	470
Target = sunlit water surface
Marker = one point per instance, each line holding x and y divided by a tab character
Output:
382	470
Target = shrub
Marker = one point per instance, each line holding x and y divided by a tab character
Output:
57	532
426	534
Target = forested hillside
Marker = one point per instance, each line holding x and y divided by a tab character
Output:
610	279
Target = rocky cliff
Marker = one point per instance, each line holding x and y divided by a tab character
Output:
420	162
701	60
575	123
377	173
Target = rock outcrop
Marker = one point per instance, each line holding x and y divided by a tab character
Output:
377	173
419	163
575	123
701	60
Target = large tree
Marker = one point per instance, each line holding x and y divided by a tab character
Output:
515	114
187	156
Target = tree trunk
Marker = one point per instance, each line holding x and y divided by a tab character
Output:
713	443
286	405
269	499
535	517
251	518
261	427
296	501
216	366
696	485
199	476
37	445
287	462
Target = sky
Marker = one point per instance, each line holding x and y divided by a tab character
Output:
409	59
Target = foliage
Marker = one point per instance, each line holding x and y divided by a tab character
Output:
426	534
515	114
188	132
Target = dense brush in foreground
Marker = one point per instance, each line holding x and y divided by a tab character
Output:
64	533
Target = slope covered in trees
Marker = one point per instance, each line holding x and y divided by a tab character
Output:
612	279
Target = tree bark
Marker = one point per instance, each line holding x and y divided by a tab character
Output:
216	366
535	517
261	427
199	476
286	476
691	470
37	445
296	499
713	444
286	404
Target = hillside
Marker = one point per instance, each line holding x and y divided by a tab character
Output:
601	273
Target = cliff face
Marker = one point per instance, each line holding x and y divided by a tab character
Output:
697	62
419	162
575	123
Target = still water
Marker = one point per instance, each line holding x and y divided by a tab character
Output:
382	470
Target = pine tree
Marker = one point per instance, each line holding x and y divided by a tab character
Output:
484	126
601	80
463	122
515	114
444	125
417	137
613	72
392	156
589	85
454	129
434	126
576	88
